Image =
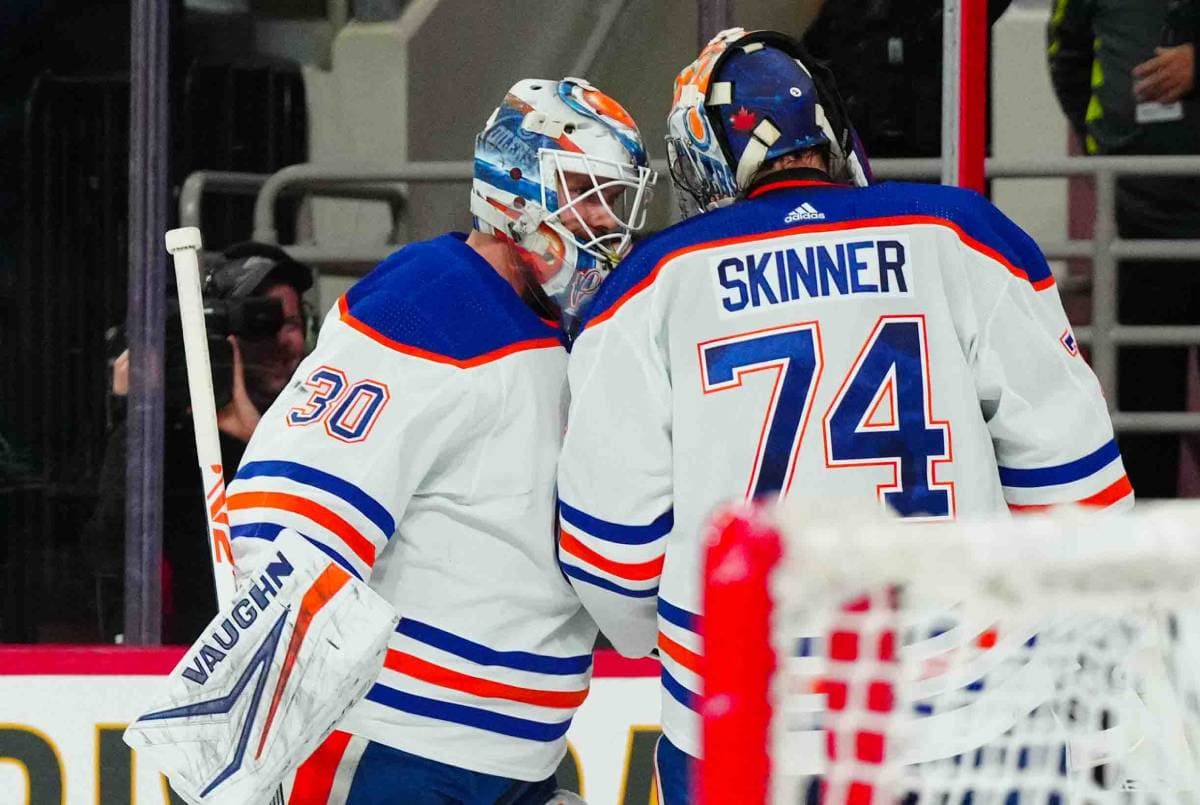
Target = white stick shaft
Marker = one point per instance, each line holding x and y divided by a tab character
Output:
183	245
951	89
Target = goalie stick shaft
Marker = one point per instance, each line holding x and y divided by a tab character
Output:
184	245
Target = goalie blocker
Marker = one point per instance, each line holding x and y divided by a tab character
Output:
269	679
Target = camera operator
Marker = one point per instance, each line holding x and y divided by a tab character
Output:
257	328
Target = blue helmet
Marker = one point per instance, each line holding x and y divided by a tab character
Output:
766	106
747	99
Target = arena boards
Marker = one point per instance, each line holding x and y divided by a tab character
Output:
63	709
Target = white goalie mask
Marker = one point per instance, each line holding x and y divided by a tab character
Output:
561	171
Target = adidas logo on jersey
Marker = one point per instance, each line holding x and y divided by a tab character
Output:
805	212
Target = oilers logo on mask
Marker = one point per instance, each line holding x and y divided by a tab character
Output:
549	153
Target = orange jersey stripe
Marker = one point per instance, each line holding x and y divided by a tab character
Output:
680	654
315	777
1105	497
417	352
362	547
633	571
1111	493
426	671
767	188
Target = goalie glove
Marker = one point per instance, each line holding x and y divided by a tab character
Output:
270	678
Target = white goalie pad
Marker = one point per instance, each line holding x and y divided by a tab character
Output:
267	682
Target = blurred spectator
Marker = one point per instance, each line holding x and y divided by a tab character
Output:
1124	73
249	370
887	55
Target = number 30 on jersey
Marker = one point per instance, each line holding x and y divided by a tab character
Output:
880	415
348	411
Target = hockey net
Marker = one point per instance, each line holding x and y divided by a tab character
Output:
1041	660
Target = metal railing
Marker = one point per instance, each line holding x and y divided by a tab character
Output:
201	182
327	179
1104	335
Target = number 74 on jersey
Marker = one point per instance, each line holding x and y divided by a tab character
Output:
880	416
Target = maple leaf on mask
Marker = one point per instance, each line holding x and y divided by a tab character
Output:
743	119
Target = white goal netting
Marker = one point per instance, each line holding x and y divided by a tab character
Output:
1042	660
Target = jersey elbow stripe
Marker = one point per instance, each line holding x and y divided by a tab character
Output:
1060	474
681	654
1116	491
484	655
580	574
318	479
679	617
425	671
618	532
362	547
468	716
633	571
678	692
416	352
269	531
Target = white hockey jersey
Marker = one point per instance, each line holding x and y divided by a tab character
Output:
899	344
417	446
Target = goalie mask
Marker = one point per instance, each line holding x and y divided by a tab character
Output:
561	171
749	98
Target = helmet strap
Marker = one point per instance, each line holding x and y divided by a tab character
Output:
488	219
492	220
765	135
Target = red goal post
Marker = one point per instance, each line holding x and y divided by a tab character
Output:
964	93
1053	655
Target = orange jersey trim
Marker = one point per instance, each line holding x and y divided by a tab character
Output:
1107	496
767	188
426	671
631	571
840	226
315	777
416	352
680	654
362	547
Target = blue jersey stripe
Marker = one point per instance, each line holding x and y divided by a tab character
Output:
470	716
311	476
1062	473
605	584
680	617
269	531
678	692
616	532
483	655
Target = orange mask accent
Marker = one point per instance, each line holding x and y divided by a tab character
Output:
607	107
